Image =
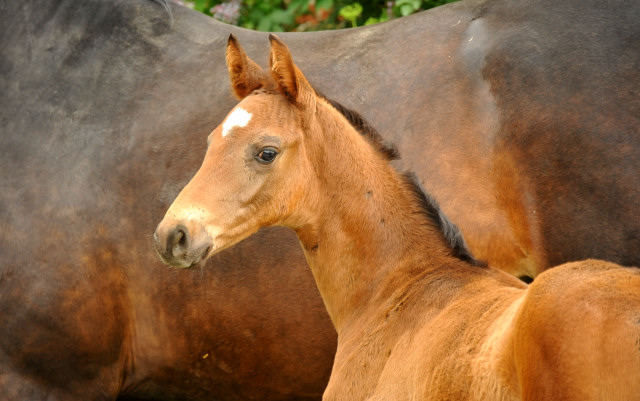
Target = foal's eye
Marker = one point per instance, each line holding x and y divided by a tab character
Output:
267	155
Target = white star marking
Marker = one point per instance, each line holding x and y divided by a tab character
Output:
238	118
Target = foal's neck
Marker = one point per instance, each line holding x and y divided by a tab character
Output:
368	234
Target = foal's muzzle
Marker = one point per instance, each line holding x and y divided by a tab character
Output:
176	246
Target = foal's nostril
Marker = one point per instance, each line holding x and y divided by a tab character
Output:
178	242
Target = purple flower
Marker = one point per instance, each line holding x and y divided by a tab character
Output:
228	12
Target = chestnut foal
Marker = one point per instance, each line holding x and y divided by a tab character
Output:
417	317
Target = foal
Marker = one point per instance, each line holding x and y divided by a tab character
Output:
417	317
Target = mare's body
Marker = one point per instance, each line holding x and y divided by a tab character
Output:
418	318
520	117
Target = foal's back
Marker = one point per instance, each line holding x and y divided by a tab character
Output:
578	334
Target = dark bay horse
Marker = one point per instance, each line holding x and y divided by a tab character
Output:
418	318
520	117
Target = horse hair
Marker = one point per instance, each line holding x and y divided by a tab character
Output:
388	151
451	233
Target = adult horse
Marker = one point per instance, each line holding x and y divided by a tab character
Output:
101	103
418	318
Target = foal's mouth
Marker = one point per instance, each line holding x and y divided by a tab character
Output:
200	258
186	261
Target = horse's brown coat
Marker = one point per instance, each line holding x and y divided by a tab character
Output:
414	321
102	103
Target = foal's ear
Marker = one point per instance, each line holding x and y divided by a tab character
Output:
246	76
290	80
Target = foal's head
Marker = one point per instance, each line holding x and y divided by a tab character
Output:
255	171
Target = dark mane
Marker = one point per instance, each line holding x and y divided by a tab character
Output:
388	151
451	233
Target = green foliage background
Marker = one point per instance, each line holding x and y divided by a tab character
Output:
307	15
